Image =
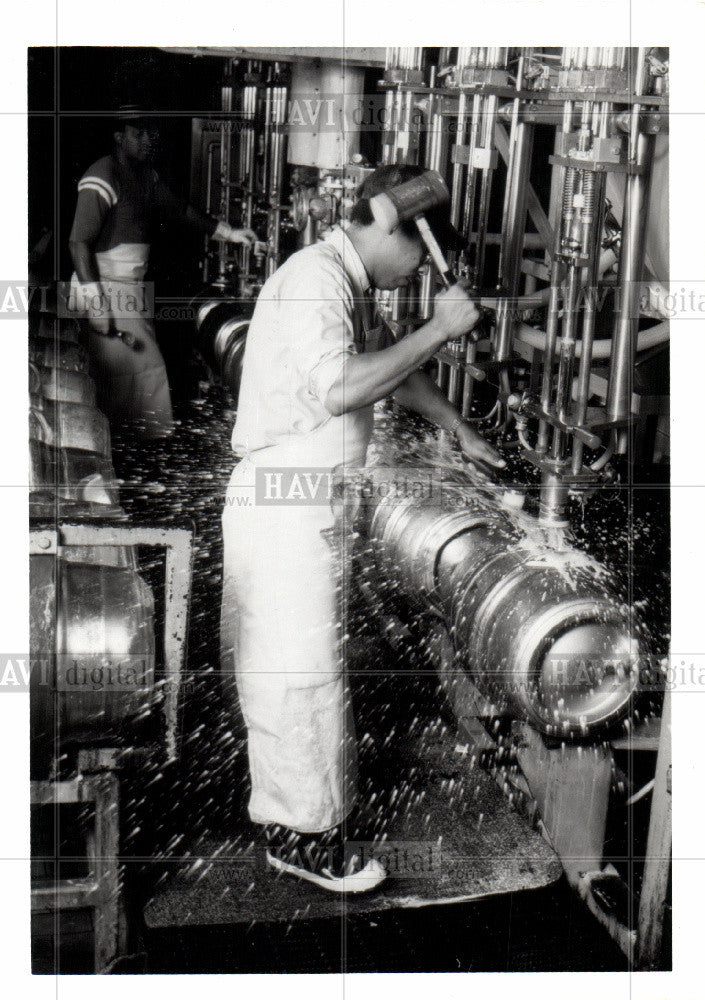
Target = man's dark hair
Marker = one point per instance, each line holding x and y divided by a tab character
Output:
381	180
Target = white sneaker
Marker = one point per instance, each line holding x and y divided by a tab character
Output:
364	880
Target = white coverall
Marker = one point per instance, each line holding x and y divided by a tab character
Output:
132	384
118	206
280	613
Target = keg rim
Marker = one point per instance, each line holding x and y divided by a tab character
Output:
536	642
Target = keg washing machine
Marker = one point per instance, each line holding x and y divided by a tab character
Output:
557	165
556	161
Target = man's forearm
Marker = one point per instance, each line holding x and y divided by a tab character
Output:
367	378
420	393
84	263
180	211
205	224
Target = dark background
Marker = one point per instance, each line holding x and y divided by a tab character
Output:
73	93
72	96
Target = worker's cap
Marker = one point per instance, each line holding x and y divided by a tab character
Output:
137	116
391	176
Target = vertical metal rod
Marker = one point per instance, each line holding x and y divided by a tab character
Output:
553	498
490	115
468	381
457	182
452	375
266	138
631	267
565	364
568	180
467	346
426	284
226	97
439	150
549	352
249	172
588	330
399	304
411	138
457	350
510	170
469	209
513	227
209	192
430	117
278	108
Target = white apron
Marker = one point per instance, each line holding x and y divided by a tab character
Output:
132	386
280	635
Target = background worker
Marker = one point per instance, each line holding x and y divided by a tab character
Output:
306	400
120	202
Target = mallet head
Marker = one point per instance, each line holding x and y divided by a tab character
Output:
408	200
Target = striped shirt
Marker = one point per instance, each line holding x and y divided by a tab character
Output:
122	204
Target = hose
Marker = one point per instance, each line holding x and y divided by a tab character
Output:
658	334
481	420
606	455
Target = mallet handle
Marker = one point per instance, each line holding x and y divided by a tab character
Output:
433	248
445	272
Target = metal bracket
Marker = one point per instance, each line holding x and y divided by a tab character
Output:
581	433
586	478
478	157
407	77
476	370
484	158
599	166
561	94
43	542
461	154
604	150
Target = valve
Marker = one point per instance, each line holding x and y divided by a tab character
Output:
323	208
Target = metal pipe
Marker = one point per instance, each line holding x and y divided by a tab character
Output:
469	206
457	349
564	378
278	117
631	268
426	286
631	265
510	170
457	182
266	138
466	348
209	182
553	500
399	301
468	381
549	352
562	218
589	315
489	118
389	153
513	227
247	169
